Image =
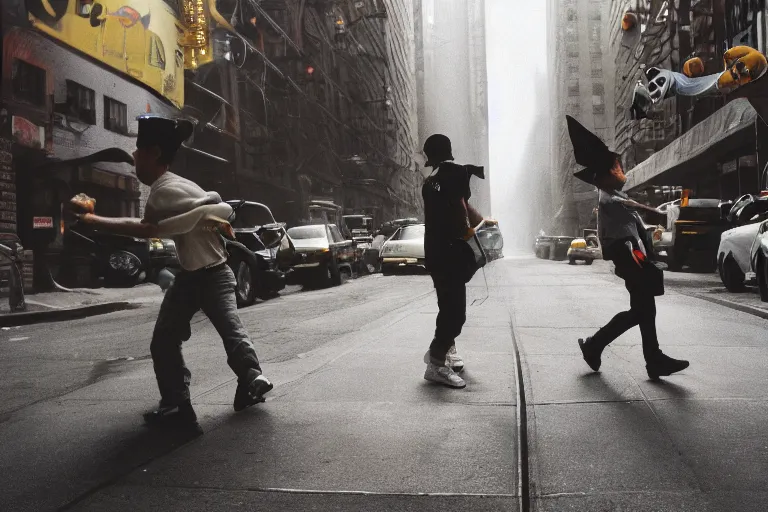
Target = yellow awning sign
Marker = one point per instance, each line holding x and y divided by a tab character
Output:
136	37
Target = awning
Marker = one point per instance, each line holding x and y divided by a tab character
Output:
730	128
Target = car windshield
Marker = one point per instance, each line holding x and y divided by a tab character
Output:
249	216
411	233
307	232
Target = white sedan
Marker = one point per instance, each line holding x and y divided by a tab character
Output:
737	254
404	248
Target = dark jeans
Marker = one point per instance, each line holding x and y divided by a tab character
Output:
213	291
642	312
452	305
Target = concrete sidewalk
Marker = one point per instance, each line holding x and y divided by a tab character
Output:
614	440
353	426
709	287
78	303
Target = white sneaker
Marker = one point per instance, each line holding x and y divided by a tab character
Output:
443	375
453	360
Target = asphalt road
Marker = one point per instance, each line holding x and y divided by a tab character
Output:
351	424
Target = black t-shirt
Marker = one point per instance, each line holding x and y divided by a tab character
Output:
442	192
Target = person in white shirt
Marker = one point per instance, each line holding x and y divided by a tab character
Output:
625	242
206	281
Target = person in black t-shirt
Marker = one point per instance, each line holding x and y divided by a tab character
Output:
448	218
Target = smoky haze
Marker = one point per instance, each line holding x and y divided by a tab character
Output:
454	80
519	119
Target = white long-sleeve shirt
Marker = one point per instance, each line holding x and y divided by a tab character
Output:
172	195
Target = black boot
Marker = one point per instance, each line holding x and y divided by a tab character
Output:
181	416
591	353
251	392
664	366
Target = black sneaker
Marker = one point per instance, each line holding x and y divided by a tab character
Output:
664	366
251	393
181	416
591	353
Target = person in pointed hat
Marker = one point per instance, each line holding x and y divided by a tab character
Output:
206	281
447	218
624	242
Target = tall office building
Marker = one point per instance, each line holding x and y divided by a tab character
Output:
452	82
579	73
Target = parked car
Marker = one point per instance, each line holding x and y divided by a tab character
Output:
322	254
747	209
90	255
404	248
761	263
696	229
397	223
261	254
360	226
739	256
552	247
584	249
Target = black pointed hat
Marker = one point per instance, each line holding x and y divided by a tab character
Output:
589	151
166	133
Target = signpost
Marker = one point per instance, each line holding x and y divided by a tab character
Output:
42	222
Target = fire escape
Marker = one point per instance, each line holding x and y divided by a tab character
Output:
302	99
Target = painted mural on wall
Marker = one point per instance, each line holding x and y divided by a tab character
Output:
742	64
137	37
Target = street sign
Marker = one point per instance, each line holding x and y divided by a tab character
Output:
42	222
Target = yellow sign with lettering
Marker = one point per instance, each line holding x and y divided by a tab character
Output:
137	37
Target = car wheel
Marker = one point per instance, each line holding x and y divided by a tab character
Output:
762	277
588	262
245	290
387	270
571	261
731	275
334	274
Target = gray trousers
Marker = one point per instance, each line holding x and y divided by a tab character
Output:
213	291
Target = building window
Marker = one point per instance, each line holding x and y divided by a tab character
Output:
597	99
595	16
573	54
573	70
598	89
573	89
597	73
28	82
81	103
115	116
601	121
573	109
598	109
572	15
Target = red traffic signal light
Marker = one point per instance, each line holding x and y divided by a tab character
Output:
310	70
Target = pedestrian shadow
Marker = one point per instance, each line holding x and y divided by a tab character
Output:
119	454
673	390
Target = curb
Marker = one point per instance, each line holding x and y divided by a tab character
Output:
759	312
61	315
